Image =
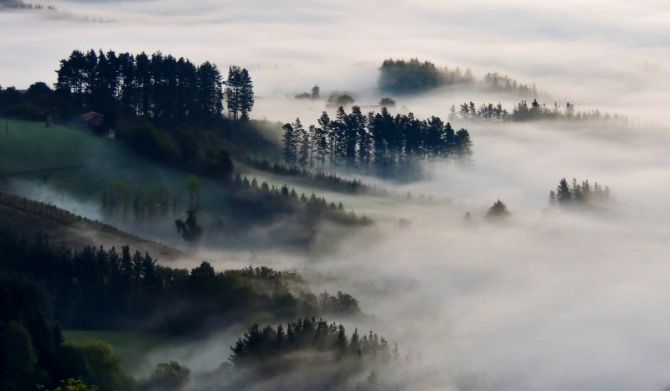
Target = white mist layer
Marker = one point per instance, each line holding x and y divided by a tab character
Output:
550	300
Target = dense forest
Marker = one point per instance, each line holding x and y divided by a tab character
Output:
275	356
33	355
162	88
522	111
32	351
95	288
377	140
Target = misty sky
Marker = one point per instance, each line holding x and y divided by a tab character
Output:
550	301
581	50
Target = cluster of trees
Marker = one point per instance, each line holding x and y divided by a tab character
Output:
579	194
469	111
497	82
414	76
497	211
96	288
32	351
260	346
524	112
317	179
337	99
245	204
239	93
20	4
313	95
158	87
356	139
34	356
38	102
265	202
401	76
145	204
195	150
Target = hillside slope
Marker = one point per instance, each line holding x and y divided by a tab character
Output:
31	218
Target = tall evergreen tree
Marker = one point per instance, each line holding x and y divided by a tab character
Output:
563	193
233	97
290	140
303	143
246	94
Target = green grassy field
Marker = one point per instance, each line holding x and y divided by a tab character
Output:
133	348
31	147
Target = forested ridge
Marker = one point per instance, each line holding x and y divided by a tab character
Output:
534	111
376	141
95	288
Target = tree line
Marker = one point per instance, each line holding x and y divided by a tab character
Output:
248	204
259	345
523	111
381	139
317	179
158	87
577	193
264	201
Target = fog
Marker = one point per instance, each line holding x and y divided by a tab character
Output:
550	299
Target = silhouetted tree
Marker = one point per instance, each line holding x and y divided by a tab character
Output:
189	229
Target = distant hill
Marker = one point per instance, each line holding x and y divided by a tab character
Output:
31	218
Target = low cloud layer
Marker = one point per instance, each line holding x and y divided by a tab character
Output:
550	300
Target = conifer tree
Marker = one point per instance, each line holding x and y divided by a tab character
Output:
246	100
290	140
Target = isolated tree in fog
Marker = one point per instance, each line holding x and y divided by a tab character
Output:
189	229
497	211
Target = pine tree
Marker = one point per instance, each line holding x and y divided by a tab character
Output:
290	144
563	193
246	95
233	99
303	143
